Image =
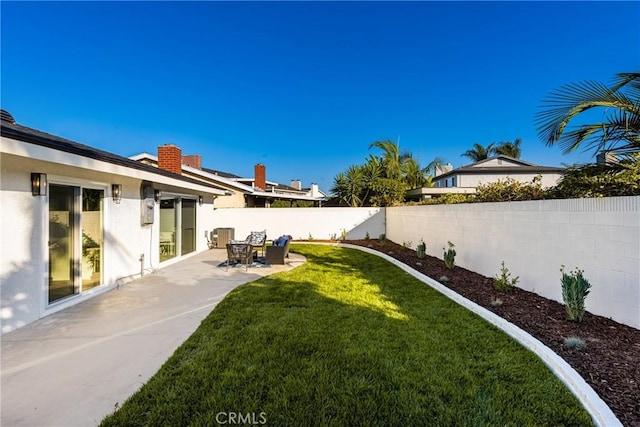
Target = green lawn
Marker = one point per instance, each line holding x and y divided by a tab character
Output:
349	339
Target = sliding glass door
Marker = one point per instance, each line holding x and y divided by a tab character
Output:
63	234
188	226
177	227
75	240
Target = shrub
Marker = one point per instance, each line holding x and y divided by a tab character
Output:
406	245
622	179
450	256
575	289
421	249
504	282
382	238
310	238
574	342
449	198
366	236
496	302
343	234
509	189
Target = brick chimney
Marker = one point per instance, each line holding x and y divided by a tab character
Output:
260	175
170	158
192	160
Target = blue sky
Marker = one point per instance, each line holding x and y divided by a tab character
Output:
305	87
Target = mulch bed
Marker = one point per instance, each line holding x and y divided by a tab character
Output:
610	361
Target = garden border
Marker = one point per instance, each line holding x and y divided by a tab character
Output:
600	412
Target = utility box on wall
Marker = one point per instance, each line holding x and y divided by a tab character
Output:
148	211
148	203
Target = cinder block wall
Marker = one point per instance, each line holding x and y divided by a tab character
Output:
320	223
534	238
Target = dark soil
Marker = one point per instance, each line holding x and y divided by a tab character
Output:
610	361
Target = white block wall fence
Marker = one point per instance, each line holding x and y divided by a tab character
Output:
534	238
320	223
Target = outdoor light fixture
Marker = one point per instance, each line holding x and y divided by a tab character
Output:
116	192
200	200
156	195
39	184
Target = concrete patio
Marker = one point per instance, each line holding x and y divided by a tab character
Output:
78	365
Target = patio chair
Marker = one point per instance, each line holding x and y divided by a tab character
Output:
240	252
258	239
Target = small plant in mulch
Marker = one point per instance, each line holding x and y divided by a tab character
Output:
421	249
574	342
366	236
406	245
343	234
382	239
575	289
497	302
450	256
310	238
504	282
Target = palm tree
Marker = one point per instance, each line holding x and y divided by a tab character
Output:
391	160
511	149
348	186
372	171
479	152
619	129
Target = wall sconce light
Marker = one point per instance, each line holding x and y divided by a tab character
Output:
116	192
156	195
39	184
200	200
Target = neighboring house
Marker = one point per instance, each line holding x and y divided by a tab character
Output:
244	192
77	221
464	180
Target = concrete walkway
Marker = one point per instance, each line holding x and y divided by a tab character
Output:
76	366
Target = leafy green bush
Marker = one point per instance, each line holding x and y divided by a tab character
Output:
504	282
509	189
366	236
575	289
622	179
450	256
450	198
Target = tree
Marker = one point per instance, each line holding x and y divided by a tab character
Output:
383	180
348	186
479	152
511	149
617	132
391	161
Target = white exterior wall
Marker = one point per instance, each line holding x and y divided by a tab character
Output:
534	238
24	236
473	180
321	223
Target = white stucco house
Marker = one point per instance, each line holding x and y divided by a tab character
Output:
76	221
465	179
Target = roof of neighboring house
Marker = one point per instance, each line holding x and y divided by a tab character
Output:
10	129
512	166
204	172
220	173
